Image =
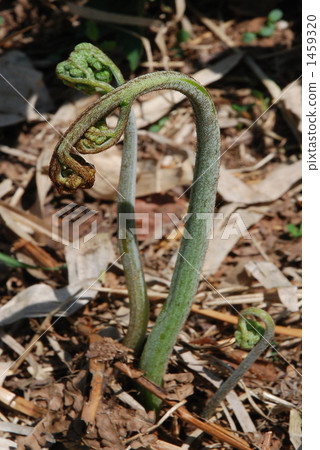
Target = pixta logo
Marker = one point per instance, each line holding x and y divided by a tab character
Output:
68	224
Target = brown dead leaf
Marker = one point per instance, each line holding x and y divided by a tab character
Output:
107	430
152	110
295	428
153	176
170	208
179	385
262	369
42	435
271	277
292	100
227	234
270	189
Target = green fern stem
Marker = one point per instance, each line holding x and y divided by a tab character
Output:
68	170
248	335
90	70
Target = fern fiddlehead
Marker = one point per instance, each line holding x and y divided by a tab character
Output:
68	171
90	70
250	335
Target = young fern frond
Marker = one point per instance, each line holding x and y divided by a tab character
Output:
249	336
69	171
90	70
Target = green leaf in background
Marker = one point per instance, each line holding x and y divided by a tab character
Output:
107	46
275	15
182	36
1	20
133	56
265	101
267	30
92	30
257	94
248	37
241	108
294	231
132	48
156	127
13	262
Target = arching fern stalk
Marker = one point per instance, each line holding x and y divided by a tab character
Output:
90	70
69	171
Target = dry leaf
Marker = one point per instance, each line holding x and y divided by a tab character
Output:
227	233
7	444
5	187
280	180
152	110
24	224
107	166
295	428
232	189
292	100
271	277
91	259
84	266
152	177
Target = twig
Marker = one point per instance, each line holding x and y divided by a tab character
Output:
212	429
96	368
158	424
153	295
20	404
40	256
108	17
296	332
267	441
160	64
15	34
253	403
259	164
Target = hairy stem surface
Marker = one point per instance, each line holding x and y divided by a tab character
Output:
192	251
131	261
90	70
234	378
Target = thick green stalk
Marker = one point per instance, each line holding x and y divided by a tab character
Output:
247	335
69	171
90	70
